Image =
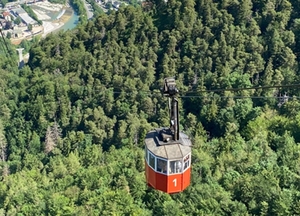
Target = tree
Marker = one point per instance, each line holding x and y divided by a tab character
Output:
8	35
91	95
53	136
29	27
18	20
49	141
108	5
3	144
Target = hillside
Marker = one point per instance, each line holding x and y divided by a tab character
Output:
73	121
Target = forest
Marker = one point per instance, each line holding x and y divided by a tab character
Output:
74	119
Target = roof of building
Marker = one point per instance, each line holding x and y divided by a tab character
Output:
19	11
116	4
5	13
172	149
27	19
17	31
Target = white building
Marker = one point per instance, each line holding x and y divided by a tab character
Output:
116	4
6	15
24	16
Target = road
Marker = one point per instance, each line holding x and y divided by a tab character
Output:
88	7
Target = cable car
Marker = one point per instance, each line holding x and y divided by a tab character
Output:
168	151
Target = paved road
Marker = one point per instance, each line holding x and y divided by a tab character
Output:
89	13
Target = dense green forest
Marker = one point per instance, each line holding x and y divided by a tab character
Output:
73	121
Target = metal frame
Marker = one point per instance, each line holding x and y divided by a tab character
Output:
150	153
163	159
147	159
184	169
169	163
146	155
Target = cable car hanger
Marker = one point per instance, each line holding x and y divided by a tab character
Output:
170	90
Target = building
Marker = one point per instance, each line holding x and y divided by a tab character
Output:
2	21
27	19
24	16
6	16
19	11
116	4
17	33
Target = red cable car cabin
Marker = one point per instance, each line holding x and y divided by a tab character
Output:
168	166
168	151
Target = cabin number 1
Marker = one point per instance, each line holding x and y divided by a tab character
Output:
175	182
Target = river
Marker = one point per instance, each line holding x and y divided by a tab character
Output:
71	23
63	13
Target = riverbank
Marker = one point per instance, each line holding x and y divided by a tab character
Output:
59	23
66	16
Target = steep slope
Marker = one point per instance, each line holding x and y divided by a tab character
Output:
73	120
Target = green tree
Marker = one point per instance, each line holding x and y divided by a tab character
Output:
29	27
8	35
17	21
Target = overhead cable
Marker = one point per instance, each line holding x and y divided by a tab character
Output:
196	94
247	88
